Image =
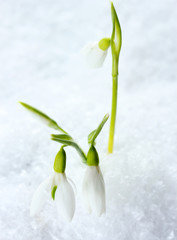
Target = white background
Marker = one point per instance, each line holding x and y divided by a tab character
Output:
40	63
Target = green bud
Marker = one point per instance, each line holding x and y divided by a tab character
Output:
92	157
104	44
60	161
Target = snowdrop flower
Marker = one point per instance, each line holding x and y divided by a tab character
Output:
93	185
58	187
95	53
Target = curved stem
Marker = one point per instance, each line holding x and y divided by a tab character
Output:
81	153
69	141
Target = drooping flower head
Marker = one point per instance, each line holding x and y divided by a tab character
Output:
57	187
96	52
93	185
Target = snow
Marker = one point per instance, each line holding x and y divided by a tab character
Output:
40	64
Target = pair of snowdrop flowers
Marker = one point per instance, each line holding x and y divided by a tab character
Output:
59	188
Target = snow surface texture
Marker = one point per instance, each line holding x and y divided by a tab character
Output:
40	64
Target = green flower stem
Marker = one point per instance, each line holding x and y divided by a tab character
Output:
113	114
81	153
114	102
69	141
116	42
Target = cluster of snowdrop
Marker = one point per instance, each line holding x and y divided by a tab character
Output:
58	186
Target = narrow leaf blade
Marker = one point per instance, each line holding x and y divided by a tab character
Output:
42	117
62	137
93	135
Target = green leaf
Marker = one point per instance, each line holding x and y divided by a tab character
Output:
63	138
93	135
69	141
43	117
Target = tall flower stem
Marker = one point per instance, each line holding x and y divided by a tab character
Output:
113	114
116	42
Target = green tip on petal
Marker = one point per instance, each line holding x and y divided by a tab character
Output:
104	43
53	192
60	161
92	157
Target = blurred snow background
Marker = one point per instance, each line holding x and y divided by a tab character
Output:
40	64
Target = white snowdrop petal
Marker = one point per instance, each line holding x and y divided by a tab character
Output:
65	199
72	184
85	194
40	196
95	188
97	194
94	55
